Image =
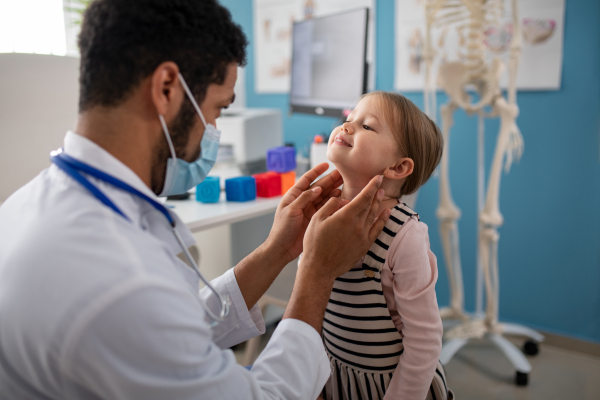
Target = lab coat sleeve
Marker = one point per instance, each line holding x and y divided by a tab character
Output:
151	344
241	324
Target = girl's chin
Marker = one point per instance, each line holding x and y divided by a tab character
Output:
332	159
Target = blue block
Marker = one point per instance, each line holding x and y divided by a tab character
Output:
281	159
209	190
242	188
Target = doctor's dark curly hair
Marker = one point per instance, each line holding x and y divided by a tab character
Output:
123	41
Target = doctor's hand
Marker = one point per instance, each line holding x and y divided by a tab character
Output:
337	237
297	208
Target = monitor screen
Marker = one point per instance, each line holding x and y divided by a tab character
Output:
329	70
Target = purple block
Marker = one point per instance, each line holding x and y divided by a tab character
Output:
281	159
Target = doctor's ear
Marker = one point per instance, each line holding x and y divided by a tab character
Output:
166	90
401	170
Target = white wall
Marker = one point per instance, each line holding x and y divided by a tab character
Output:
38	105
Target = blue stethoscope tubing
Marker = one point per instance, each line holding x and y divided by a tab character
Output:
74	167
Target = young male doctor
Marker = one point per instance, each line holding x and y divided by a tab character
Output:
94	303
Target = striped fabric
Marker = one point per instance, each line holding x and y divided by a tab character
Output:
360	338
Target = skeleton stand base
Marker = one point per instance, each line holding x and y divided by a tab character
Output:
512	352
489	328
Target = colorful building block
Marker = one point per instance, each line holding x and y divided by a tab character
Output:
281	159
268	184
288	179
209	190
242	188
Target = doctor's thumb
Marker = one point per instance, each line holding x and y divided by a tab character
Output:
307	197
330	208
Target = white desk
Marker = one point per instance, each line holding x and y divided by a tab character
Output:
200	216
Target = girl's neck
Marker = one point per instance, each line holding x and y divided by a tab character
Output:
352	188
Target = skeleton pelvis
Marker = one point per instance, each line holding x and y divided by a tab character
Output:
454	77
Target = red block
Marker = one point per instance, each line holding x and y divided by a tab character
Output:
268	184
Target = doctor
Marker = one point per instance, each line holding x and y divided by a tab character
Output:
94	303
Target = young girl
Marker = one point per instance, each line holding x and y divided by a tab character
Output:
382	329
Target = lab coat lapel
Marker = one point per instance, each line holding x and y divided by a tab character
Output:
146	216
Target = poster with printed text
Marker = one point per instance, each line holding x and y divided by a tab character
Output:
273	23
540	63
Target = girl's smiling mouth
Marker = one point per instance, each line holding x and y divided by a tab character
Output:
339	140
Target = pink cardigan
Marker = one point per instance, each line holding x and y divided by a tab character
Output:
408	279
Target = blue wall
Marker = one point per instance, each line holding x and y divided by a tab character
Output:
550	242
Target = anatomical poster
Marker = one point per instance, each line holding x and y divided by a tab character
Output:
542	29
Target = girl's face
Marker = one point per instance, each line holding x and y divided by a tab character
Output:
364	146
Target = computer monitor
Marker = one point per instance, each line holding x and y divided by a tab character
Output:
329	68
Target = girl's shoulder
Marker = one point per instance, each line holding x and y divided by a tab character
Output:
411	243
406	224
413	230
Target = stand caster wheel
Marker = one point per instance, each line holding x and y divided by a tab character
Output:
531	348
521	379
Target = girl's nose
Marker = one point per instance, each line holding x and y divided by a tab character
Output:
346	127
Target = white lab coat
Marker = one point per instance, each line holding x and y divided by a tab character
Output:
95	307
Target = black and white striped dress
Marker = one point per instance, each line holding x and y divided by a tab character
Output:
361	340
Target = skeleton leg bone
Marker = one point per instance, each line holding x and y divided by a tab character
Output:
448	214
488	244
508	113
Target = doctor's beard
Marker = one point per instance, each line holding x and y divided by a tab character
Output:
180	130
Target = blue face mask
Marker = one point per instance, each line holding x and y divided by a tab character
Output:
181	175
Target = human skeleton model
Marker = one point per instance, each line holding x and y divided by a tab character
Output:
470	18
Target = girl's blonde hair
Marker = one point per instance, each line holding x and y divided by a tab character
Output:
418	137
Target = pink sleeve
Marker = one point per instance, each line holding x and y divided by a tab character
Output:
414	273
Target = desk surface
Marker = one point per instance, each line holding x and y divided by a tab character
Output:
200	216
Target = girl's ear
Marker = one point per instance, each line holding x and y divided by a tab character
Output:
401	170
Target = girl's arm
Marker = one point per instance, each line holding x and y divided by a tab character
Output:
414	274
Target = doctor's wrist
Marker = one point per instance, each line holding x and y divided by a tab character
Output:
309	298
277	254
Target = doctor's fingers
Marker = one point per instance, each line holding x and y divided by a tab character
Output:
379	224
303	184
330	181
335	193
330	207
365	205
319	202
305	180
305	201
329	187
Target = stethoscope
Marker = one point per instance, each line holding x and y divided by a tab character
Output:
73	167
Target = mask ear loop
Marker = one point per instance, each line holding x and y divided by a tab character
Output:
166	132
192	99
224	302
